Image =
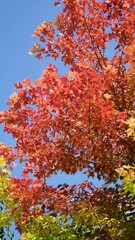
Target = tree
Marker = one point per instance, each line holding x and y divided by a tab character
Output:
76	122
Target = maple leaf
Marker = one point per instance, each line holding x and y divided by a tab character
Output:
132	16
13	98
107	96
36	48
131	129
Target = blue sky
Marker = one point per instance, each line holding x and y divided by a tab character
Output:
18	21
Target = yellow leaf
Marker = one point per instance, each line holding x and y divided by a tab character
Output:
2	162
13	98
36	48
107	96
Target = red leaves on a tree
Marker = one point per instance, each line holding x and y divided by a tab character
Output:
76	121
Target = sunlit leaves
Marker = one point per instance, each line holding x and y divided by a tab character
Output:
78	121
4	180
36	48
6	202
51	228
131	128
128	177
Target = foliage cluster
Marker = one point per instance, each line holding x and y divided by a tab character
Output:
79	121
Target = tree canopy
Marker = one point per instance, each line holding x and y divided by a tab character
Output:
83	120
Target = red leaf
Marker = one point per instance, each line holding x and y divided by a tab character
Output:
22	93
